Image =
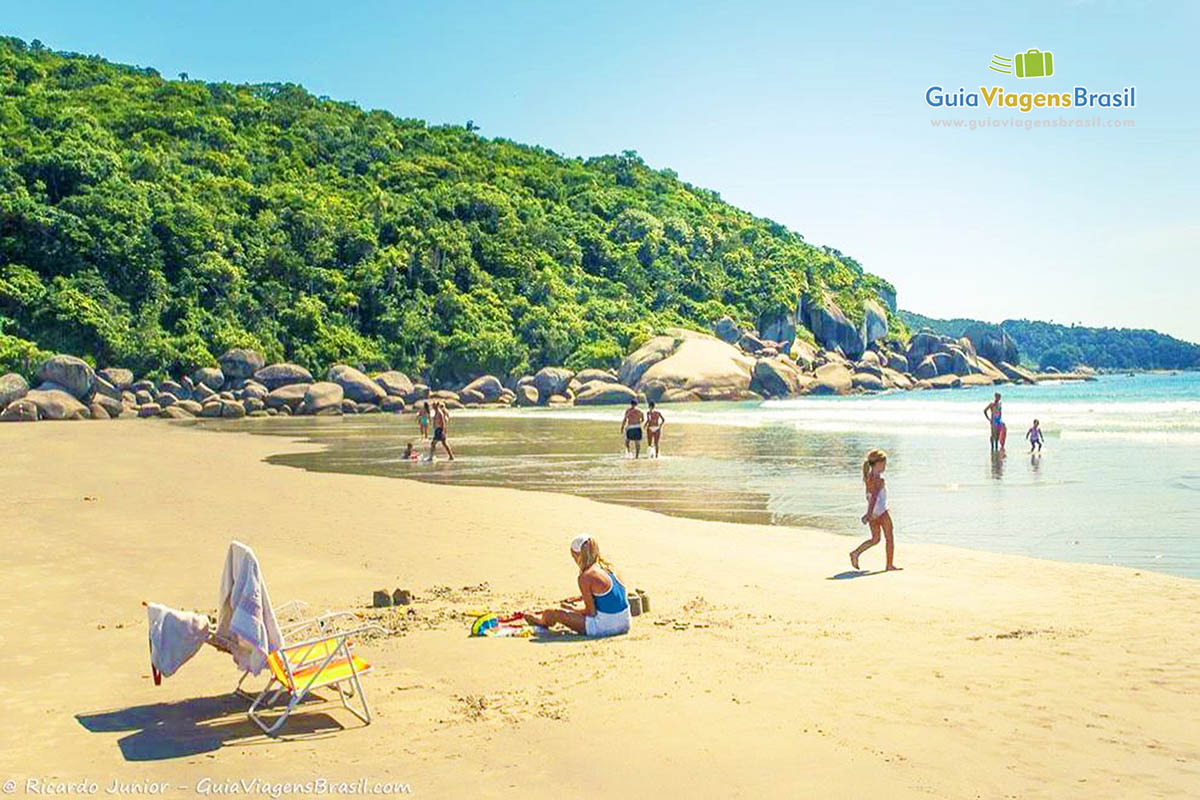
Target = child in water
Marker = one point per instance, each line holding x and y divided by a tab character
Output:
1034	435
877	515
409	453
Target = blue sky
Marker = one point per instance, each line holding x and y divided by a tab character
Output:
810	115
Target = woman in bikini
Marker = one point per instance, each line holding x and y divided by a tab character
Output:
877	515
995	417
654	425
423	419
601	608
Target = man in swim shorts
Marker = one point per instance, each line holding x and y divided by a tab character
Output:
441	421
996	422
631	426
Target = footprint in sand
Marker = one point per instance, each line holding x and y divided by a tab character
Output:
680	625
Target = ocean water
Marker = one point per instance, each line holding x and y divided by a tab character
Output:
1118	480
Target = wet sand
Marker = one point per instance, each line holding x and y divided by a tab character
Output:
799	465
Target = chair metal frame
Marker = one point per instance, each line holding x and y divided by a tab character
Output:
289	659
300	657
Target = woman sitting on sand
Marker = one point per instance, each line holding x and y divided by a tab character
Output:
602	608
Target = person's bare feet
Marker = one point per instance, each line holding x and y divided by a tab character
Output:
892	568
854	559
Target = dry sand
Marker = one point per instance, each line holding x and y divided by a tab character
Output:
966	675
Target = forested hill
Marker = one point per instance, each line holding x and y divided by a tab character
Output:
1046	344
153	223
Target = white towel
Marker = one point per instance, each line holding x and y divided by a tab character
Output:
175	636
245	616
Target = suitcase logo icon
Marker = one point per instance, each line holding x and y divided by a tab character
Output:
1033	63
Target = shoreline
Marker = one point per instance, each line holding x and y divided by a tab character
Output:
943	680
509	451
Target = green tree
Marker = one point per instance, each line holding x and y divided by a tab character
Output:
1062	357
153	223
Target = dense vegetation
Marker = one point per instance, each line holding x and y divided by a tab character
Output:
153	223
1045	344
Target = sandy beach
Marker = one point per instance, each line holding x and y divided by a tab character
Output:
966	675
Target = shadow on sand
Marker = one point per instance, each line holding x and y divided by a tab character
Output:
562	637
198	725
854	573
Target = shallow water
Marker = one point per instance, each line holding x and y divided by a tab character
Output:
1118	481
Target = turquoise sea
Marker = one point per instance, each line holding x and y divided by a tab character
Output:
1118	481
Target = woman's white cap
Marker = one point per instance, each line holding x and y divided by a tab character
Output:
577	544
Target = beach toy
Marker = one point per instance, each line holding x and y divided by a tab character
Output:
635	605
381	599
401	597
497	625
483	622
512	631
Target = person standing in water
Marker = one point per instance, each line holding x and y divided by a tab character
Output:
1034	435
654	425
996	420
877	515
441	421
423	419
631	426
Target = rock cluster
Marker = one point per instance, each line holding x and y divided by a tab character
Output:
736	364
558	386
676	365
846	358
681	365
243	386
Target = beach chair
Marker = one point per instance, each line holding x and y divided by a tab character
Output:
300	657
325	659
321	656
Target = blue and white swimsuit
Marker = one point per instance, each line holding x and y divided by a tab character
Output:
612	615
